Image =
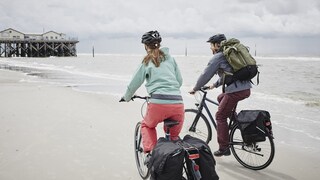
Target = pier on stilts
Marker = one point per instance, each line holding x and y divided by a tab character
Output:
37	48
14	43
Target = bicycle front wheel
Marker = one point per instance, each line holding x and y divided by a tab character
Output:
140	156
196	125
255	156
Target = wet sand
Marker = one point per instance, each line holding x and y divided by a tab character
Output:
49	132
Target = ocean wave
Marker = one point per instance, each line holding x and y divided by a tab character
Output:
308	134
307	99
293	58
275	98
41	69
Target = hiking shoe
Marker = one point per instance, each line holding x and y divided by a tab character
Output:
147	160
220	152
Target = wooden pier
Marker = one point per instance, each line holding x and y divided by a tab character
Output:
37	48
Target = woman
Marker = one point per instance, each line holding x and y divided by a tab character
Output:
163	82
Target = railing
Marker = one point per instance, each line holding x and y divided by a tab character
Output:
37	40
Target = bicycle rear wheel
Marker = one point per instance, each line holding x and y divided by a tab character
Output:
196	125
255	156
140	156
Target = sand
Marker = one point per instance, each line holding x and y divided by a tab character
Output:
51	132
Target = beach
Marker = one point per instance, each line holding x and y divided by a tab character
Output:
53	132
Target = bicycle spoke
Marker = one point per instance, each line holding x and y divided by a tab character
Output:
249	151
140	155
254	156
196	125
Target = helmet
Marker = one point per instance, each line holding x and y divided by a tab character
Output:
217	38
151	37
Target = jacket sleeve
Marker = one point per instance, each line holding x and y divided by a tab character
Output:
136	81
207	74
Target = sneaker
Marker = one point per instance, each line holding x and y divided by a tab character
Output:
225	152
146	161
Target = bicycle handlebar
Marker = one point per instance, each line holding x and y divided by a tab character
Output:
136	97
204	88
139	97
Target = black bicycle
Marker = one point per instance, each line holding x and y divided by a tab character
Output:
255	155
140	156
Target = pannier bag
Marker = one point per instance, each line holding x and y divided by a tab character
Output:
255	125
166	162
199	159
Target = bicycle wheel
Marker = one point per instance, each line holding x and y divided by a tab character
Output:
139	154
196	125
255	156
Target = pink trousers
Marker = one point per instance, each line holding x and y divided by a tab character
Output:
156	113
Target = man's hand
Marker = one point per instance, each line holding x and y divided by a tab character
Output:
211	87
192	92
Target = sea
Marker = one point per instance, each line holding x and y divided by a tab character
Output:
288	87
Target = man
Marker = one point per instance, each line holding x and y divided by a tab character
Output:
229	98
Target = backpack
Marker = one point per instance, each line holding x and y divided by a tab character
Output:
166	162
255	125
243	64
199	159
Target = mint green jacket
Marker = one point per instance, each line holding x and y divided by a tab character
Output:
164	80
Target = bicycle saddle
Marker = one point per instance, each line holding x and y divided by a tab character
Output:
170	123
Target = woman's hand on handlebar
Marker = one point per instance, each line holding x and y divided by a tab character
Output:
133	97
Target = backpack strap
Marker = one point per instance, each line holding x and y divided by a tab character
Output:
258	73
225	81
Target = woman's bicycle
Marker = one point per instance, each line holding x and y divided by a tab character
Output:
140	156
255	155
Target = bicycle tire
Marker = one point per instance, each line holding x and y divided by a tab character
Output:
255	156
196	127
140	156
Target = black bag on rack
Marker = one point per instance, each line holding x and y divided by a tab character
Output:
199	159
254	125
166	162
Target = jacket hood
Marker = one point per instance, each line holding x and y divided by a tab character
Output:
165	50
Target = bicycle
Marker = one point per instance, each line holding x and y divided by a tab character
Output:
140	156
255	156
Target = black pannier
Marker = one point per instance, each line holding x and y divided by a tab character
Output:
254	124
205	161
166	162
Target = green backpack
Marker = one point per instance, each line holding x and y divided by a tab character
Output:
243	64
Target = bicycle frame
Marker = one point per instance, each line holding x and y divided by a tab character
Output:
204	105
254	155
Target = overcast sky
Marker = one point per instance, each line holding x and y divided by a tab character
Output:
271	27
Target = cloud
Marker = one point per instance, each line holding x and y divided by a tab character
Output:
178	19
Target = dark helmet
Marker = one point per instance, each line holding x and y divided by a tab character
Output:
217	38
151	37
